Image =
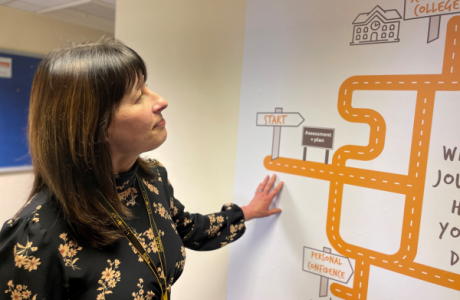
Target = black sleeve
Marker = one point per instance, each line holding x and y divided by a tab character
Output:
204	232
30	262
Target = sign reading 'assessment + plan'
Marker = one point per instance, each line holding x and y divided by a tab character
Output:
318	137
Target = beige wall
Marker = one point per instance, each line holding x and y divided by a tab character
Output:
24	31
194	51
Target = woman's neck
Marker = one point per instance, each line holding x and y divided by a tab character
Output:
123	163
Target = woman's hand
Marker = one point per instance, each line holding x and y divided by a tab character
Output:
258	207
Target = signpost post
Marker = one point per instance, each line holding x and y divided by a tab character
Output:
277	120
324	281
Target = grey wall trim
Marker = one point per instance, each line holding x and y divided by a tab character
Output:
23	53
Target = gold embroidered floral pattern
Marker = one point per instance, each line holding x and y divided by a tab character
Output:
155	163
181	264
109	279
188	233
233	232
170	284
229	206
35	214
172	208
149	245
19	292
151	187
140	295
173	225
120	188
68	250
216	224
160	273
10	222
159	176
161	210
129	196
22	257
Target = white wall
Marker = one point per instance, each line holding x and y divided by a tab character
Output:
375	204
193	51
27	32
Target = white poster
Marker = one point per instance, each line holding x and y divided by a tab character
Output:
354	105
6	67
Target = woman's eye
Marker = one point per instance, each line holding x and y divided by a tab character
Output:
139	97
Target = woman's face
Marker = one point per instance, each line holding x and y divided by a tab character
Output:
137	125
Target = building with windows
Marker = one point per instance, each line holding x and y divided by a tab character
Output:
377	26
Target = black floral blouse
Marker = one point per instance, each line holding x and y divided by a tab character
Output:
39	260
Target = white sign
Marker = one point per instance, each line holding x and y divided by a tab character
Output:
6	66
414	9
287	119
328	265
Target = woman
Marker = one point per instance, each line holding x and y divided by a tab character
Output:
101	223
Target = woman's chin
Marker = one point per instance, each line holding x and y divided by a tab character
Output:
158	141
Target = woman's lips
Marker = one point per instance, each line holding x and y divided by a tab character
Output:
161	123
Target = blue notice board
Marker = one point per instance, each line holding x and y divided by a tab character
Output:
14	109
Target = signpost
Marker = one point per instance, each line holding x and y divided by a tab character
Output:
328	265
318	138
433	9
277	120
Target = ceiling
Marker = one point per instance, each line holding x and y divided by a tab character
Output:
97	14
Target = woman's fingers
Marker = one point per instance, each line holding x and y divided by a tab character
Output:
261	187
273	211
267	184
264	183
270	183
277	189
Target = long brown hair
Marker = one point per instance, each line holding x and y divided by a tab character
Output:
75	91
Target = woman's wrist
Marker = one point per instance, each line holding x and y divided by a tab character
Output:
247	211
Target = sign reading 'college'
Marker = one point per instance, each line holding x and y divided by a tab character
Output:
414	9
318	137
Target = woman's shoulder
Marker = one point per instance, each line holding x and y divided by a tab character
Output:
155	163
40	214
30	257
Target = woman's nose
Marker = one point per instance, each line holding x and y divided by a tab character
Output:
160	105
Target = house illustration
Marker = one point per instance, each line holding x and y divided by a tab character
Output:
376	26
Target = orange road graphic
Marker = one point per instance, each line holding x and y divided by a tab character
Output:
410	185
